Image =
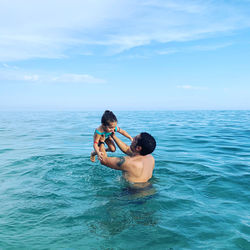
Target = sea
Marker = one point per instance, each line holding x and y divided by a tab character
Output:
53	197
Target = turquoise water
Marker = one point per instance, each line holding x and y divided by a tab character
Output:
53	197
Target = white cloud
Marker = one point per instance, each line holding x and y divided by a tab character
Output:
11	74
33	78
5	65
191	87
193	48
185	86
77	78
209	47
167	51
50	29
181	5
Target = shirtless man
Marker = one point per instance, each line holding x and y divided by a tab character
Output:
138	166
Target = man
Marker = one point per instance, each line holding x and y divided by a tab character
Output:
138	166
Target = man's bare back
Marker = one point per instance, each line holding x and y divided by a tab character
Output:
139	169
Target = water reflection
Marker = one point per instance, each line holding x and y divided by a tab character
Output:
129	206
138	192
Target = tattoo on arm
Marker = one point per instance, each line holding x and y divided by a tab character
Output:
121	161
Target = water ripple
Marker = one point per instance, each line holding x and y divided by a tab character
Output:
52	196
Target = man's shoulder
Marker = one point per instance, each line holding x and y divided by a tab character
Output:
151	158
143	157
135	160
129	161
140	157
145	160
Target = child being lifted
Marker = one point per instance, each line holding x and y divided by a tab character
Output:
104	131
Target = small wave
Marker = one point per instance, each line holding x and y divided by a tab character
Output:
86	135
229	148
2	151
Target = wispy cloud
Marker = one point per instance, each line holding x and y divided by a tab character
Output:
77	78
181	5
8	73
61	26
168	51
191	87
193	48
209	47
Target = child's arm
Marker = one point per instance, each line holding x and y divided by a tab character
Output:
96	142
124	133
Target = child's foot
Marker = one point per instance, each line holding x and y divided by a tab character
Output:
92	157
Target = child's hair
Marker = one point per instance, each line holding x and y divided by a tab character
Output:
108	117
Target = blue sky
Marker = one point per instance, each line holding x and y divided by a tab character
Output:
124	54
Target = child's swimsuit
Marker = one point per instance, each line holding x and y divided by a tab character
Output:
107	134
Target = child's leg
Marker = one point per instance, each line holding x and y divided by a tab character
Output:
111	145
92	156
111	148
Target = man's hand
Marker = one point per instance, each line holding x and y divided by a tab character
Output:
100	156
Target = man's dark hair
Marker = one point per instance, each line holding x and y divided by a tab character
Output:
147	142
108	117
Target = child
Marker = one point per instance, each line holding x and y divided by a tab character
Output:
109	125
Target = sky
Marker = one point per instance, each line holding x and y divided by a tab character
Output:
124	55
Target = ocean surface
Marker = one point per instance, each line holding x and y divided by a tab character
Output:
53	197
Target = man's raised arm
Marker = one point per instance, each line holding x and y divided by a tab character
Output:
122	146
117	163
